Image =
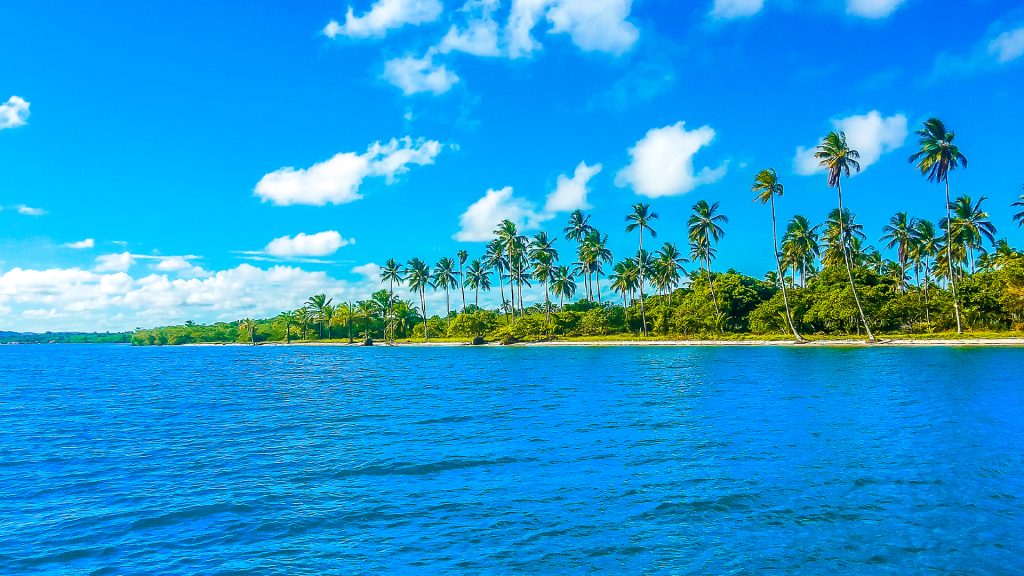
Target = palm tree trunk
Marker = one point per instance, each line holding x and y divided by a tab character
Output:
643	313
778	265
448	304
423	309
462	285
476	299
949	259
849	267
597	275
711	286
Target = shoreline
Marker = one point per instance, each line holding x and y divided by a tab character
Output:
843	343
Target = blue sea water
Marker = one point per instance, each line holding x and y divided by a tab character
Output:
317	460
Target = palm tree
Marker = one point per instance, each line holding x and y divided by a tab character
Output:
577	230
478	278
463	256
936	158
444	277
970	224
366	309
836	156
705	225
392	274
563	285
926	245
511	242
640	219
765	188
625	278
899	233
418	276
383	302
543	255
328	314
248	326
1019	216
668	266
494	258
800	244
317	304
287	318
302	319
842	239
594	252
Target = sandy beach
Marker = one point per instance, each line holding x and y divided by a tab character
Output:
844	343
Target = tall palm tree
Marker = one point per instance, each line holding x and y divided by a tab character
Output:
1019	216
543	254
417	275
328	314
800	244
842	239
836	156
668	264
926	246
248	327
899	234
444	277
303	319
478	277
287	318
382	303
392	274
594	252
765	188
970	225
317	304
563	285
366	310
494	258
511	242
577	230
463	256
640	219
705	225
625	278
936	158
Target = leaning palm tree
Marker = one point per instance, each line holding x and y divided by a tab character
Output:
838	159
937	157
317	305
970	225
765	188
478	277
899	234
287	318
705	225
640	219
392	274
463	256
1019	216
801	245
248	327
444	277
417	275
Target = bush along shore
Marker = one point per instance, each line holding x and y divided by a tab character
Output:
952	278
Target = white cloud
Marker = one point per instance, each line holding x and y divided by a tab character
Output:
1008	46
385	15
736	8
370	271
571	193
593	25
81	244
30	211
301	245
77	299
14	112
173	264
337	181
870	134
479	37
483	216
417	75
872	8
114	262
663	162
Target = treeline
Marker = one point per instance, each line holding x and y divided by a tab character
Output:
827	279
65	338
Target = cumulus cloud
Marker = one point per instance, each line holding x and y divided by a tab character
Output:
173	264
478	222
480	35
301	245
1008	46
383	16
870	134
571	193
14	112
114	262
370	271
662	162
736	8
337	180
77	299
418	75
592	25
872	8
81	244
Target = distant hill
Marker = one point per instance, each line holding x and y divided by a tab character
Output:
65	337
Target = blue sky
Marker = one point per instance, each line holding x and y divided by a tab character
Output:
159	163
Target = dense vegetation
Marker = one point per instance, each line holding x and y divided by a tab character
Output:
65	337
827	280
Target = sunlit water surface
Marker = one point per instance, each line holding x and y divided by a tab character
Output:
302	460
